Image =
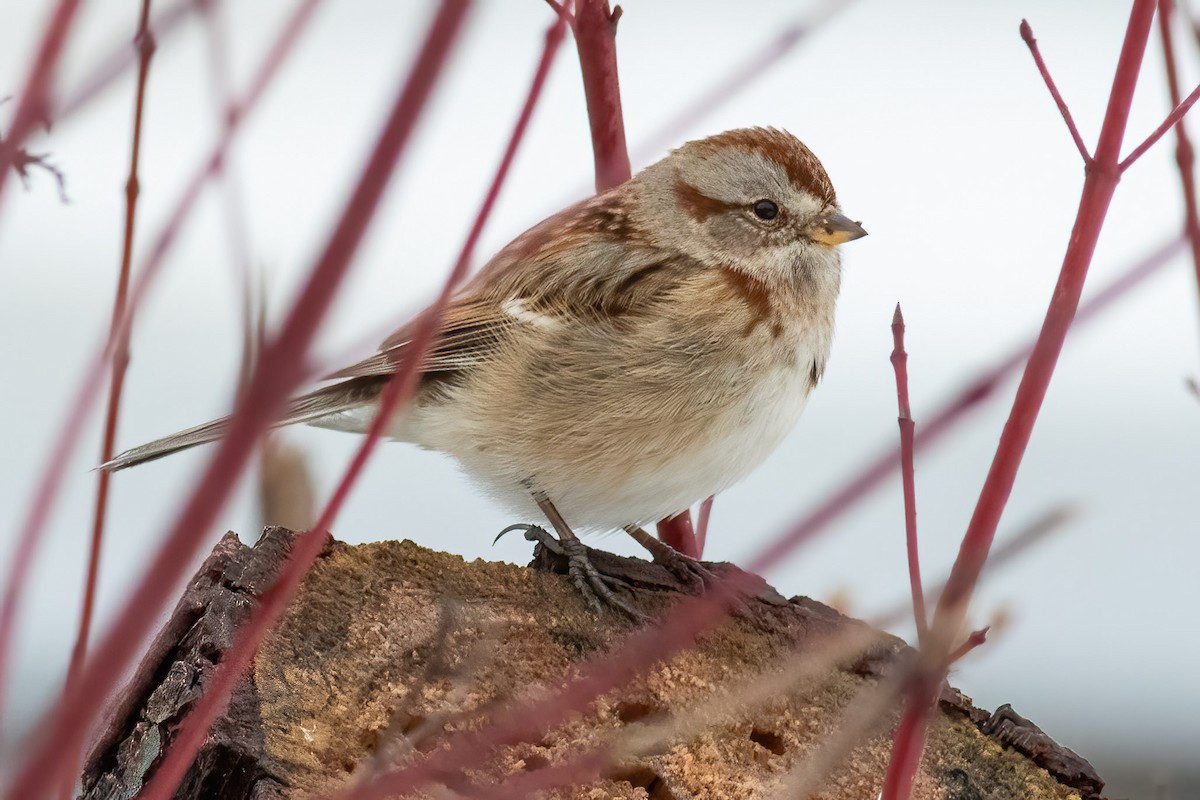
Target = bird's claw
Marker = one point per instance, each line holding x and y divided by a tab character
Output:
597	589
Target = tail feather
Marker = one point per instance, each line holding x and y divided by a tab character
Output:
306	408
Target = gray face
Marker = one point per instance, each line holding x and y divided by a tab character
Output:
756	199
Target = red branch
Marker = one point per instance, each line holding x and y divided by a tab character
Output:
1008	550
702	523
1185	155
398	391
279	371
1099	185
677	531
974	640
595	29
72	428
900	366
33	107
1171	121
876	472
1027	35
120	356
112	66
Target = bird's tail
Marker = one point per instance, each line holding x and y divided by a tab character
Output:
331	400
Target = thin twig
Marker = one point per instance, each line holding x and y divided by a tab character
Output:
1100	183
120	355
71	430
105	70
24	162
702	523
949	414
398	390
1185	154
1171	121
764	55
277	375
33	105
1031	42
900	366
974	640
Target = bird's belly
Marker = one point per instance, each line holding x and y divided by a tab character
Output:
725	449
603	471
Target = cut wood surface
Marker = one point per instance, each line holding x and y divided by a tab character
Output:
391	647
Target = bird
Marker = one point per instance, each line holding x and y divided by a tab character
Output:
628	356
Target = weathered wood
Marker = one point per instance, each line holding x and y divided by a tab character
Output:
390	647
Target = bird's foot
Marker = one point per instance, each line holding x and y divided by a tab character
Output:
692	574
695	577
597	589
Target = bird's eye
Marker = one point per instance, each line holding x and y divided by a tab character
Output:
765	209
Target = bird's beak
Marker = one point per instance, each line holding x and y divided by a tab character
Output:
835	228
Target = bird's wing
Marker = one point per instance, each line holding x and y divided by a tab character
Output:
579	264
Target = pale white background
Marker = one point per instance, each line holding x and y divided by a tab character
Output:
938	133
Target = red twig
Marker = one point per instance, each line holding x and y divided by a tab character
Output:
68	435
25	162
702	523
308	547
974	640
595	29
1099	185
120	356
900	366
33	105
107	69
277	374
1027	35
1185	155
677	531
1171	121
950	413
1005	552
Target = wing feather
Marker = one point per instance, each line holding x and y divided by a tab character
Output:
585	263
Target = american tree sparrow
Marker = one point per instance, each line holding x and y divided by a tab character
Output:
630	355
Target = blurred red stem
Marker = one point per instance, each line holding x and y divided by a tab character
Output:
1185	155
278	372
398	390
72	428
107	69
595	29
1099	185
950	413
33	106
974	640
764	56
120	356
900	366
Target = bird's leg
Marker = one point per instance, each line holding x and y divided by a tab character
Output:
595	587
691	572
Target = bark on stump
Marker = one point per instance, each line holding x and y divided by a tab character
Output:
390	647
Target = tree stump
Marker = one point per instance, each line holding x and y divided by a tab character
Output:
391	649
